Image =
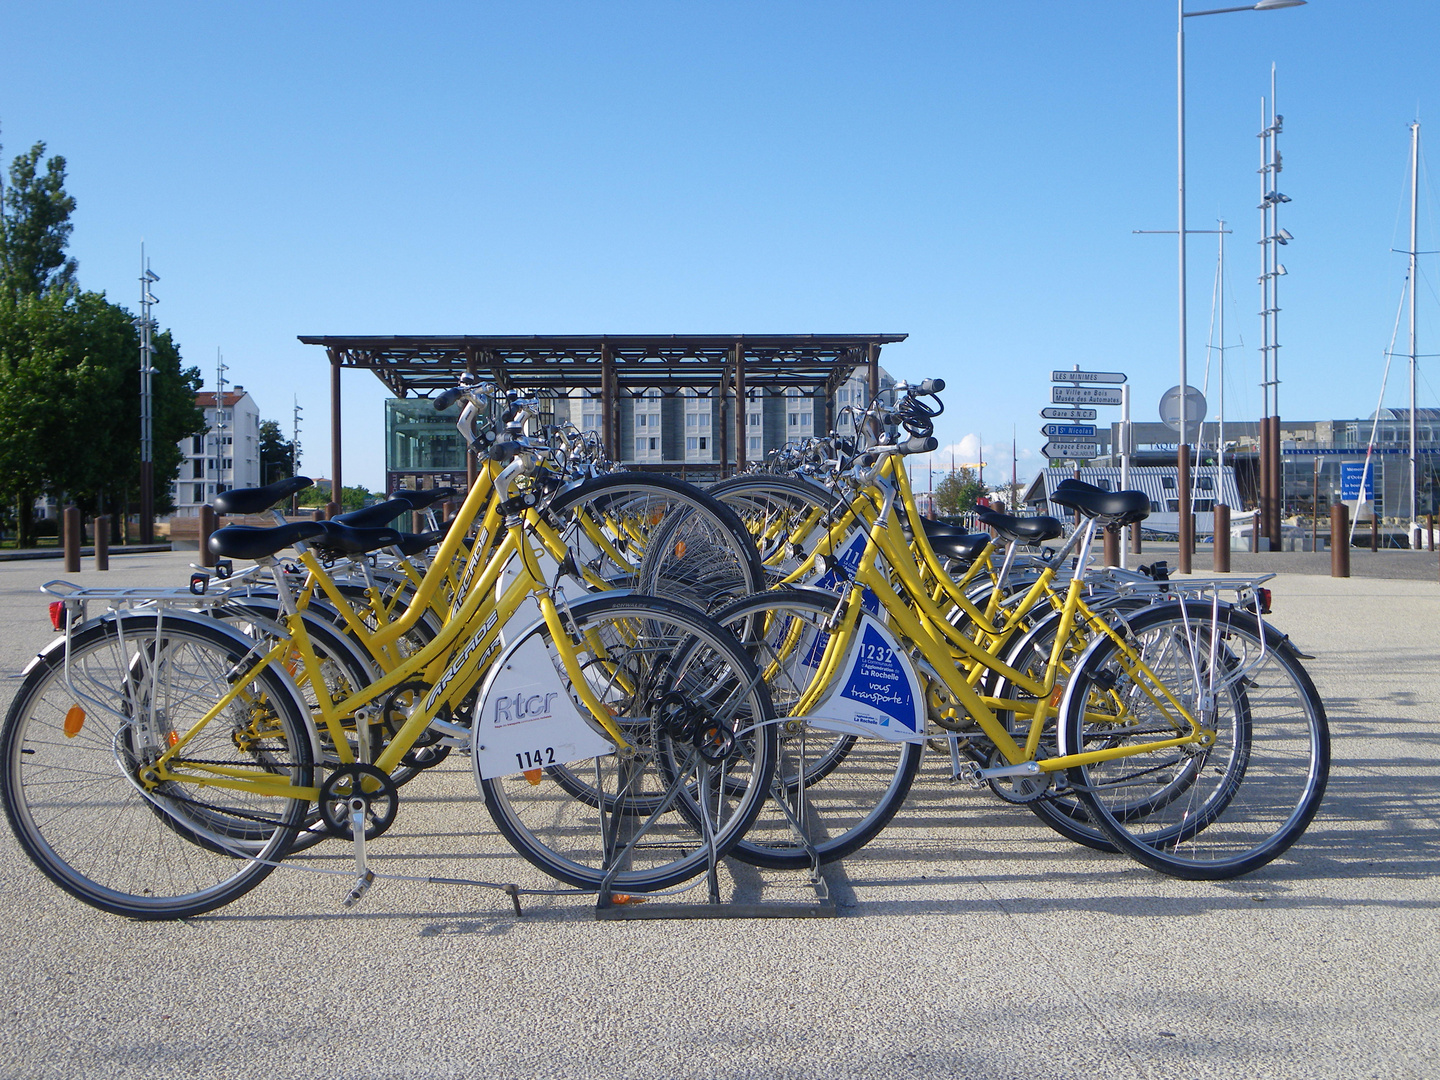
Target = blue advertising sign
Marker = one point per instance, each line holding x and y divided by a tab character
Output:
1351	473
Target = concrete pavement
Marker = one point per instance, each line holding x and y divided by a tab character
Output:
973	942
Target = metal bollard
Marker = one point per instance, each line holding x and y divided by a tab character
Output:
1339	540
1255	533
207	526
1222	539
1430	530
102	542
70	529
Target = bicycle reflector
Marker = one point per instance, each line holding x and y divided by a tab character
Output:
1262	598
74	721
58	617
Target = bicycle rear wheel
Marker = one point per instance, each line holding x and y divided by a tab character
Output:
1202	812
654	818
832	793
78	734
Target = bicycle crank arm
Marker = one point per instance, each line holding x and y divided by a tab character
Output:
972	774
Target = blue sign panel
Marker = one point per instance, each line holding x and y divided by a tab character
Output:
1351	474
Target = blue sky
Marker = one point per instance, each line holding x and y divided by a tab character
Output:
968	173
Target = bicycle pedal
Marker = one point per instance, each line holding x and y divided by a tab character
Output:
968	773
362	886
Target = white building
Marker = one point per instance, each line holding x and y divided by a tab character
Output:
684	428
226	456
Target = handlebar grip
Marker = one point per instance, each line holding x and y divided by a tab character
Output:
446	398
930	386
919	446
505	451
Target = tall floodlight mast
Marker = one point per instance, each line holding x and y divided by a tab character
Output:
295	440
146	325
220	368
1272	238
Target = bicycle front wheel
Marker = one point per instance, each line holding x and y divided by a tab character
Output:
79	734
1203	811
654	817
659	535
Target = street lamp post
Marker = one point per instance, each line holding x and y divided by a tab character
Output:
1182	455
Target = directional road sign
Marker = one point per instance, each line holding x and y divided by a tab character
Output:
1070	448
1068	431
1087	376
1069	414
1085	395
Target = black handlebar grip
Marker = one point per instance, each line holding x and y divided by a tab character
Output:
446	398
505	451
919	446
930	386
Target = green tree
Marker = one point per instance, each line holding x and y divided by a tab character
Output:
70	367
351	498
35	227
957	491
277	454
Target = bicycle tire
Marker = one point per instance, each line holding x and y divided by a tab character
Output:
1231	807
635	650
81	817
704	557
773	508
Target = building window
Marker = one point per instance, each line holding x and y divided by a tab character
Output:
755	448
1204	483
1168	483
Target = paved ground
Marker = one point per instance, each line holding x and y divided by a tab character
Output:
972	942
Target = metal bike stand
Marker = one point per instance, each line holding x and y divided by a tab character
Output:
607	909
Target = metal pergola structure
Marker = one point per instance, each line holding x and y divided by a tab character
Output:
611	363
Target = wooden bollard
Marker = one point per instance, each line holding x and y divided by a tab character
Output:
1339	540
102	542
1222	539
1135	539
70	530
1112	546
207	526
